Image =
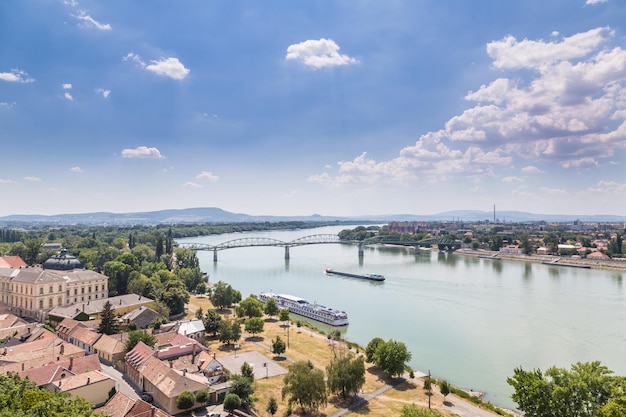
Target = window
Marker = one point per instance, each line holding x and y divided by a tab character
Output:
96	295
82	290
89	289
50	289
60	301
50	302
40	303
60	288
75	291
40	291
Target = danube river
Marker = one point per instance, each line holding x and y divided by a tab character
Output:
470	321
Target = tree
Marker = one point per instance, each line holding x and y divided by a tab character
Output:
304	385
242	386
185	400
202	396
271	308
222	295
229	331
201	289
444	387
283	314
272	406
232	402
247	371
108	324
391	357
118	273
199	313
582	391
278	346
175	296
254	325
212	321
190	276
371	348
250	307
137	336
346	375
33	246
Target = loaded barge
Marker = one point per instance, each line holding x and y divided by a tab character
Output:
371	277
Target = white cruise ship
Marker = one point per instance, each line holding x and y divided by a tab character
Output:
302	307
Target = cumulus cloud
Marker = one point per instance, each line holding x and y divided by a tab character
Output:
513	179
66	86
192	185
566	109
16	76
76	169
68	96
318	54
595	1
104	93
4	181
207	176
88	21
32	179
6	105
169	67
142	152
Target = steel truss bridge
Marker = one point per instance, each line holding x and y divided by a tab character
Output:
322	239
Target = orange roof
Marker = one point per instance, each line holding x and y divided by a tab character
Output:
12	262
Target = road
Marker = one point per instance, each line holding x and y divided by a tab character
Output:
120	382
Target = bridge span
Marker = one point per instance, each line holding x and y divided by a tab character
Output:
322	239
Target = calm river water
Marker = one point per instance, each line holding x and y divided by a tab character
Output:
470	321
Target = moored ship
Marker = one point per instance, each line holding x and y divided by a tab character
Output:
371	277
302	307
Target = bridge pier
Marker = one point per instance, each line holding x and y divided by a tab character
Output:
286	251
361	250
417	250
215	255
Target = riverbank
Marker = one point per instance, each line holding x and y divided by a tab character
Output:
608	264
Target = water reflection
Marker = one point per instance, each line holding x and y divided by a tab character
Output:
528	271
447	259
497	267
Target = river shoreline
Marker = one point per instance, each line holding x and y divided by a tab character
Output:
608	264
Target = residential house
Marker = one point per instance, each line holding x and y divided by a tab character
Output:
84	338
91	309
12	262
66	326
121	405
94	386
597	255
55	371
135	358
142	317
193	329
110	349
37	353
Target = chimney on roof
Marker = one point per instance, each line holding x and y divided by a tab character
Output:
88	380
71	362
171	364
185	372
83	307
22	366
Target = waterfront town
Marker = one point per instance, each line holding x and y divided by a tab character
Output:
68	328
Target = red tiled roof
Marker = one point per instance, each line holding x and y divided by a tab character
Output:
12	262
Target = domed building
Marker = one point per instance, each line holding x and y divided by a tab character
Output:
60	281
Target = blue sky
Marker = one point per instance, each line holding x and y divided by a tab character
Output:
313	107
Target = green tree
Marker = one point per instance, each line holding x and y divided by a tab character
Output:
229	331
250	307
254	325
582	391
33	246
185	400
283	315
175	296
212	321
391	357
247	371
108	324
200	314
278	346
346	375
444	387
222	295
272	406
242	386
232	402
201	289
202	396
190	276
271	307
118	273
371	348
137	336
304	385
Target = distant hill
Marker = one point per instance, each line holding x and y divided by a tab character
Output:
217	215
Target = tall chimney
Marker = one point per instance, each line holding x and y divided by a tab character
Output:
71	362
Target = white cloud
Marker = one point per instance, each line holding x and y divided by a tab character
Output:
513	179
170	67
68	96
16	76
531	169
3	181
511	53
207	176
552	191
595	1
32	179
142	152
7	105
72	3
66	86
104	93
319	53
89	21
76	169
192	185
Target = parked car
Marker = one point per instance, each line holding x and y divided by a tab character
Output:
213	414
147	397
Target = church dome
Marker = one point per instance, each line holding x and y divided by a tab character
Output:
63	262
